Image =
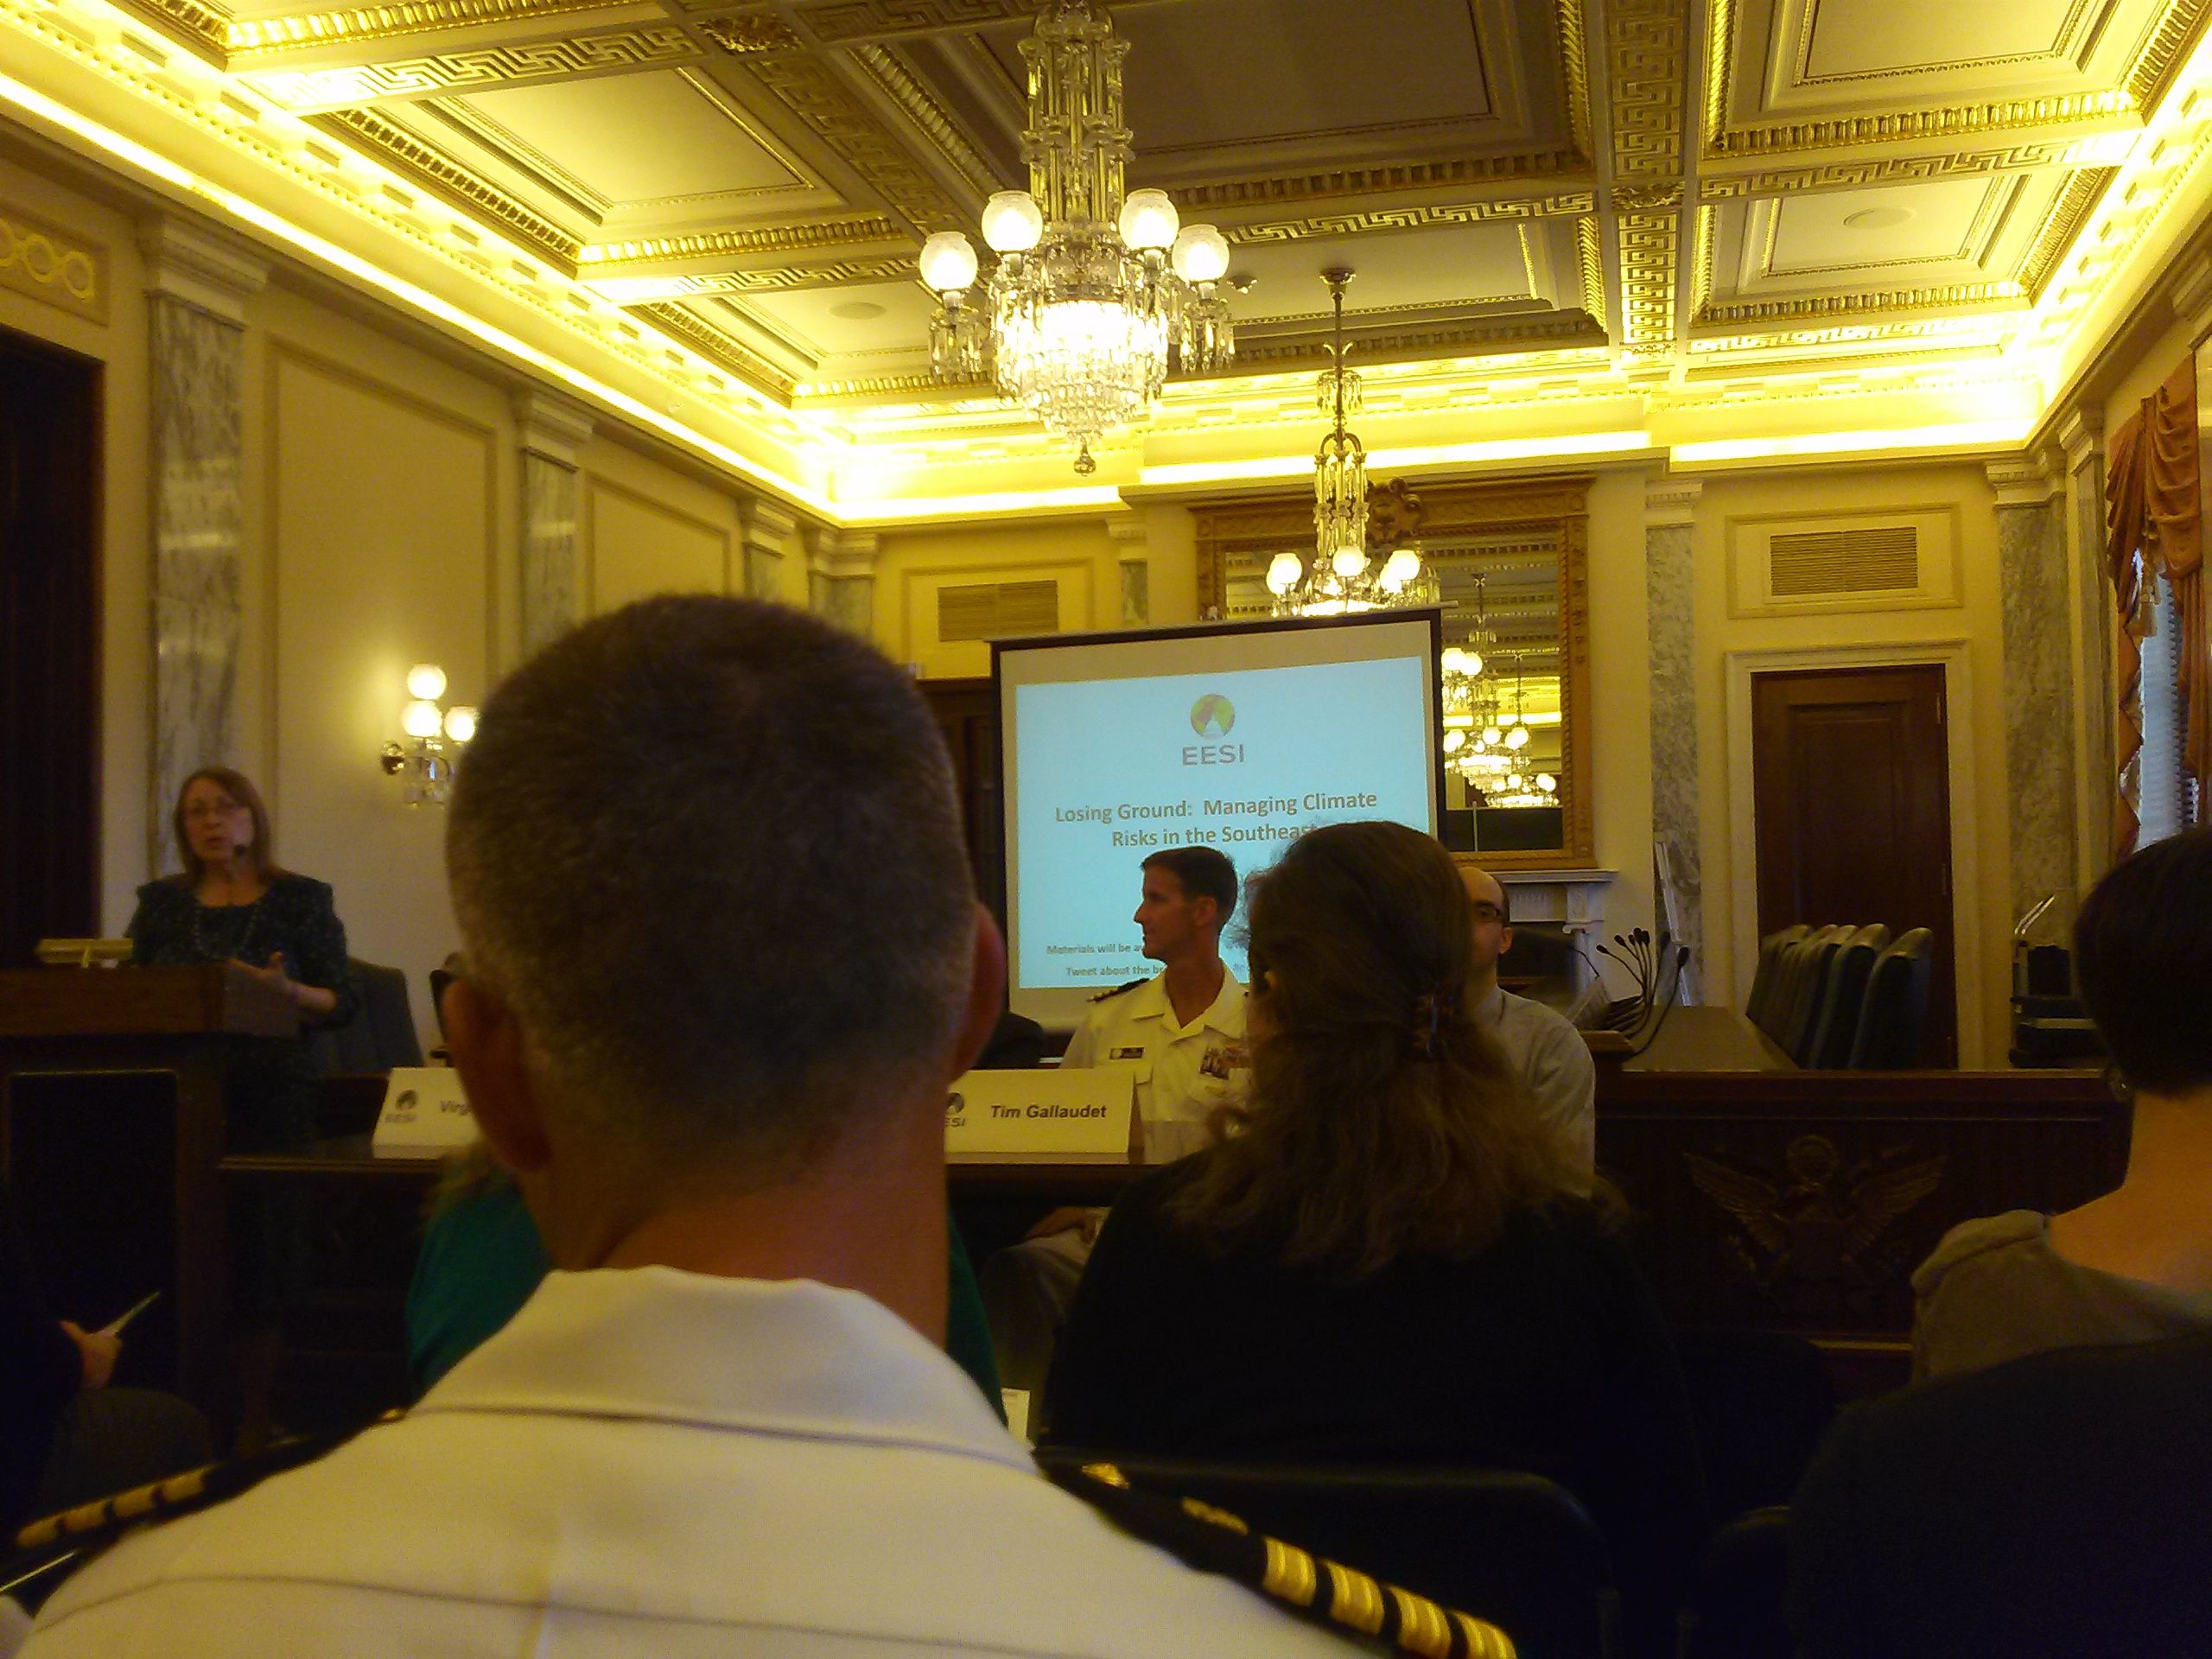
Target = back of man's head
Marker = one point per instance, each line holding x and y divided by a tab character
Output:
2143	952
707	851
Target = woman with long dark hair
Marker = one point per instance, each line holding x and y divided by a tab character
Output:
1385	1257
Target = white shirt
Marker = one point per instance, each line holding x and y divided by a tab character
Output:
1553	1062
663	1463
1182	1072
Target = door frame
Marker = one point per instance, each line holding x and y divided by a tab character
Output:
1955	657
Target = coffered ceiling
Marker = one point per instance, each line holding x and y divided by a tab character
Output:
1674	203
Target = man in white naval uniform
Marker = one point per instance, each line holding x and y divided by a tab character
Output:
1545	1051
1182	1034
724	961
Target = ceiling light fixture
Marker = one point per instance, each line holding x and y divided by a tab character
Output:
1341	578
1094	292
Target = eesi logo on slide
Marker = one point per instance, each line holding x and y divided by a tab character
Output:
1213	715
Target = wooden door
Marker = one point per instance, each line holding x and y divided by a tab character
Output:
49	674
1851	790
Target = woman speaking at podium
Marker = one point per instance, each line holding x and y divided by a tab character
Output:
233	904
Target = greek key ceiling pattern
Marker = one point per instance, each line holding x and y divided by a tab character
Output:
1710	186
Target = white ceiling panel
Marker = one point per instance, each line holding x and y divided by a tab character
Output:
639	138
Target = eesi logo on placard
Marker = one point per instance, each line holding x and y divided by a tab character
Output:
1211	717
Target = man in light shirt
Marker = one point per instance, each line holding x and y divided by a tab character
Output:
1181	1032
1547	1054
1183	1029
724	960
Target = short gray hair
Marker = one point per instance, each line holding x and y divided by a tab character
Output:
710	852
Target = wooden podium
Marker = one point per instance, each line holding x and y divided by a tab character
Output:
111	1199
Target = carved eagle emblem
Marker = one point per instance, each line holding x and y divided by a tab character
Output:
1820	1221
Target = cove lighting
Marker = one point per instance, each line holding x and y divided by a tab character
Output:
1963	434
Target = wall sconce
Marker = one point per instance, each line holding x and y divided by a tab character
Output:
435	735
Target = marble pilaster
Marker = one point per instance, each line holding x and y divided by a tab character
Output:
769	533
2040	765
197	283
550	431
1134	554
2081	438
1669	558
840	579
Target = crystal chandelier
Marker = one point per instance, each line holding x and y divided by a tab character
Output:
1482	743
1342	579
1093	294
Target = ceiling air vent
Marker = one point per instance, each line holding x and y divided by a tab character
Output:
1816	564
997	610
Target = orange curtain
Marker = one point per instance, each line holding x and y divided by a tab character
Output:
2154	503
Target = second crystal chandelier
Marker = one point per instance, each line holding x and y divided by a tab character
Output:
1093	293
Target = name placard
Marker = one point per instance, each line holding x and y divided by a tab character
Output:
425	1114
1040	1116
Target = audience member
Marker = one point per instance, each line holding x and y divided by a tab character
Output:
2136	1263
481	1258
1543	1049
66	1436
1390	1259
724	959
2053	1507
1182	1032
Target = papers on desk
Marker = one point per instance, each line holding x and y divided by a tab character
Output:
1078	1115
425	1114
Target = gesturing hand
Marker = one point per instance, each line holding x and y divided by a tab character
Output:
97	1350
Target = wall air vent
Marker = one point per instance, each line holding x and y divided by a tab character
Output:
997	610
1820	563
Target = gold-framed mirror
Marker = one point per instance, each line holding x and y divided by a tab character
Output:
1511	555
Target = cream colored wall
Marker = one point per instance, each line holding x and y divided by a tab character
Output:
380	520
911	566
118	345
1976	619
645	528
382	503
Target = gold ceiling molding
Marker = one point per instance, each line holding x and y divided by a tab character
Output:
890	267
1646	50
1946	296
370	132
478	69
2165	52
51	265
1232	195
1861	172
609	259
1575	73
748	36
1590	259
919	106
251	37
812	91
719	349
2061	226
1906	126
1370	220
198	28
1550	330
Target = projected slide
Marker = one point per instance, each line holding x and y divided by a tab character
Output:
1241	758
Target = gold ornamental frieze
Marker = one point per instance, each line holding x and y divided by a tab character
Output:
41	259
